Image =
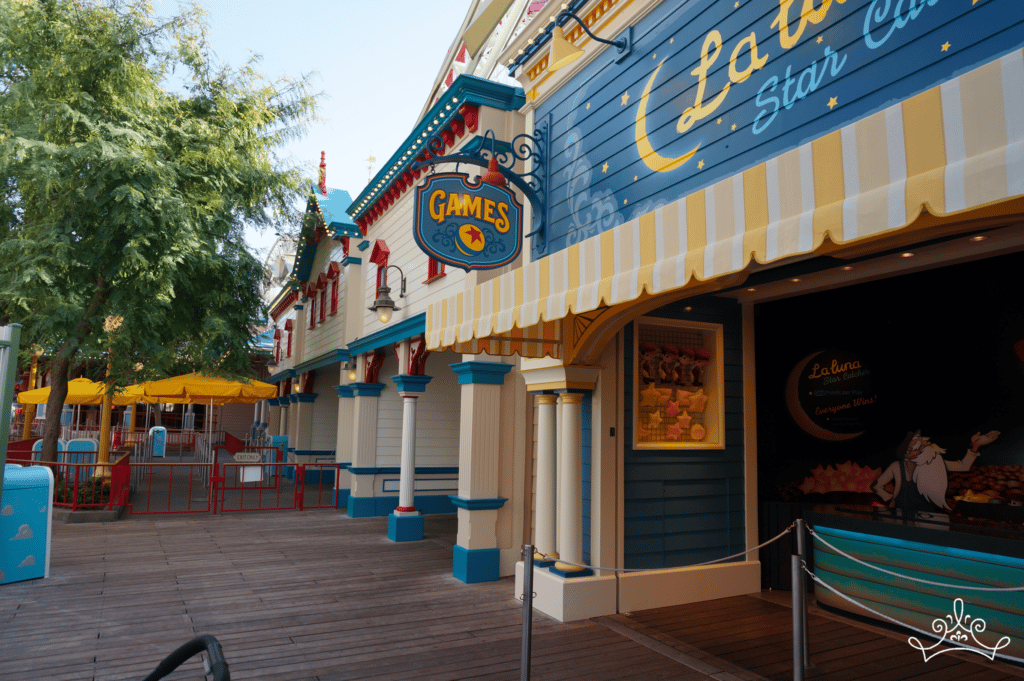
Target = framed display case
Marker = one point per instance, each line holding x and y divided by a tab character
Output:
678	385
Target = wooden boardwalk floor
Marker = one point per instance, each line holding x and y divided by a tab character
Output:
317	595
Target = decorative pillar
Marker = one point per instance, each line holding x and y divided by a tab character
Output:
343	448
274	416
570	493
362	502
405	523
476	557
545	519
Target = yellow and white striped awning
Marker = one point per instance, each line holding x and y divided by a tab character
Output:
953	148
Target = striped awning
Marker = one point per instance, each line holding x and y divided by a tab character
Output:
956	147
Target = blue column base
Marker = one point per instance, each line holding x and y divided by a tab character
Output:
341	498
362	507
405	527
475	565
569	575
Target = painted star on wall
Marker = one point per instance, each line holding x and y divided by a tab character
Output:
625	97
832	102
945	46
604	168
700	164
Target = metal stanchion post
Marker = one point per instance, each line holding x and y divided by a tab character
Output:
527	611
801	549
798	625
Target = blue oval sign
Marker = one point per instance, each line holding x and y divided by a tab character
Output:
471	226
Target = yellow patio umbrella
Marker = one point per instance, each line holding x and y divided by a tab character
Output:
199	389
82	391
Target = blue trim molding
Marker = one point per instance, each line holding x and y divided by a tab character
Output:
411	384
395	470
349	260
335	356
378	507
476	504
366	389
363	245
304	397
274	402
344	391
405	527
475	565
487	373
281	376
389	335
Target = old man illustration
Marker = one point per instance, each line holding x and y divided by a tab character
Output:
919	474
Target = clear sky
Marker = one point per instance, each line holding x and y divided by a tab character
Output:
376	61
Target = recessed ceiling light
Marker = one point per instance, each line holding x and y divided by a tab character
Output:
751	289
688	308
795	279
980	237
847	268
908	254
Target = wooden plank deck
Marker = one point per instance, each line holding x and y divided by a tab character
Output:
290	595
755	634
316	595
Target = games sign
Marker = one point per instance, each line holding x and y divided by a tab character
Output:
473	226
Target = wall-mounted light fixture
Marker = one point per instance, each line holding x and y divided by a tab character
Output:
383	305
564	53
350	368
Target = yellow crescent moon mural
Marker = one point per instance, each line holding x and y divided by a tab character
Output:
653	160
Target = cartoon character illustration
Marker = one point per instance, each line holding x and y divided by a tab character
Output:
669	363
686	358
919	475
650	361
700	360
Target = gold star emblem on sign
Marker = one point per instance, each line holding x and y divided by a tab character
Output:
625	98
945	46
832	102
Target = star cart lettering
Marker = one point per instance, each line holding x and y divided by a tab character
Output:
803	85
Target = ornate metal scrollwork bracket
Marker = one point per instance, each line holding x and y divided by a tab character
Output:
522	148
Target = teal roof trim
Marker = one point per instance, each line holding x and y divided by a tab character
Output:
332	207
466	89
389	335
326	359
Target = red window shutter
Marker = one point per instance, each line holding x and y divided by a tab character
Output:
334	296
312	311
323	304
434	268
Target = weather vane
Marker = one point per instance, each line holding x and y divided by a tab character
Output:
369	169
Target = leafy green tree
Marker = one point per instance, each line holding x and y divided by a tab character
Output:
123	198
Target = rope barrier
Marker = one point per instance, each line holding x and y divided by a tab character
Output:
710	562
932	635
913	579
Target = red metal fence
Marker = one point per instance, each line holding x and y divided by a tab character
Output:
171	488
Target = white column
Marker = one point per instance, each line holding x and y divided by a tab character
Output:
407	476
547	474
570	494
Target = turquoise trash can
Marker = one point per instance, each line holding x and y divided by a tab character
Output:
26	520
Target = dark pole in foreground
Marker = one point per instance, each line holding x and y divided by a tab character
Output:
527	611
800	548
798	626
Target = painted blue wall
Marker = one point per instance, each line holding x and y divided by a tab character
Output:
685	507
884	51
